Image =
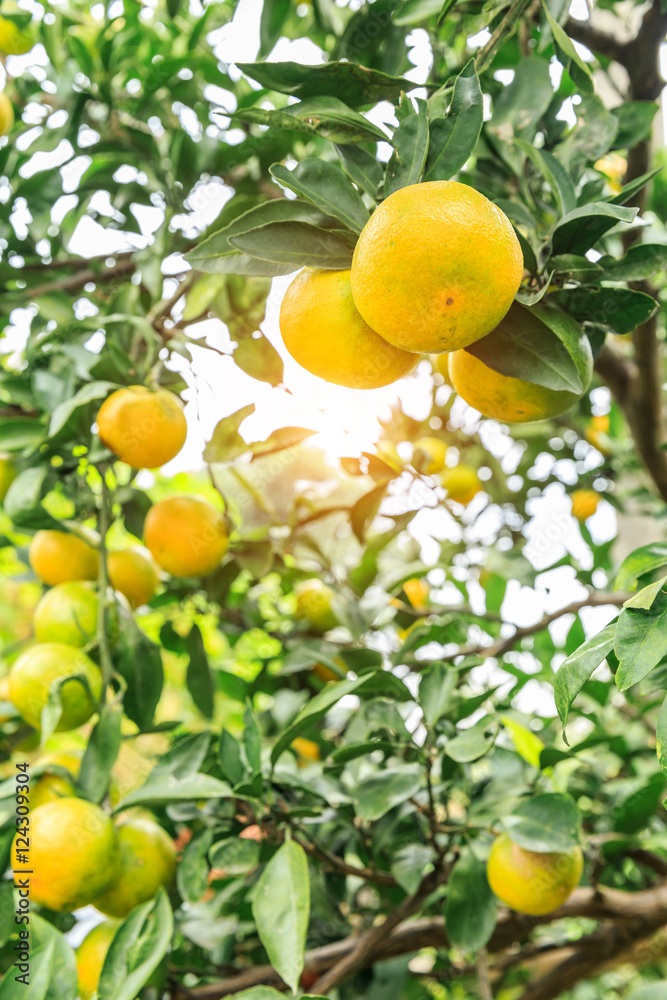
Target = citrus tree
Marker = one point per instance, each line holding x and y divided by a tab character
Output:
383	724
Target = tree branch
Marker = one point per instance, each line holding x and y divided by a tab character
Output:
503	646
597	41
79	279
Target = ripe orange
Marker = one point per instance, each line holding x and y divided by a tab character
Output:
42	665
436	267
73	854
6	114
530	882
134	574
584	504
597	434
462	483
13	40
147	861
59	556
306	750
417	592
513	400
326	674
7	476
90	957
145	429
429	455
323	330
186	535
67	613
313	604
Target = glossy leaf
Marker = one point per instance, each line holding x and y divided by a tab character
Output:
410	142
547	822
348	81
281	908
645	559
641	641
578	668
641	261
327	187
226	444
621	309
257	357
470	912
136	950
100	754
199	679
580	229
454	138
296	244
327	117
377	793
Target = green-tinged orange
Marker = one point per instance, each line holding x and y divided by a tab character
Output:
436	267
324	331
531	882
145	429
186	535
67	613
429	455
90	957
15	41
60	556
46	664
147	861
52	785
7	471
314	605
462	483
133	573
73	854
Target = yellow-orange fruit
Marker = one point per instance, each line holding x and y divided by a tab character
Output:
6	114
313	605
90	957
45	664
306	750
462	483
73	854
134	574
145	429
186	535
59	556
67	613
436	267
147	861
531	882
417	592
429	455
323	330
15	41
7	476
584	504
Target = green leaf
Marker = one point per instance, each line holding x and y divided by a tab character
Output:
296	244
523	103
454	138
193	869
568	55
537	345
23	505
348	81
547	822
42	964
576	267
261	993
581	229
416	11
327	117
90	393
630	189
528	744
661	737
379	682
139	662
229	758
410	142
553	172
17	433
63	982
635	122
641	641
252	740
279	440
644	560
257	357
620	309
138	947
578	668
185	757
378	793
654	991
365	509
235	856
361	167
645	598
641	261
435	691
410	864
172	789
635	812
325	186
469	744
199	679
100	754
281	909
470	912
271	23
226	443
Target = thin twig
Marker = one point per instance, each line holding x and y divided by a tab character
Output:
483	981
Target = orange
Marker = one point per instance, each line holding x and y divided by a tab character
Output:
429	455
186	535
50	786
90	957
462	483
134	574
44	664
417	592
59	556
145	429
530	882
147	861
440	364
7	470
313	605
13	40
67	613
326	674
73	854
306	750
584	504
324	332
436	267
597	434
513	400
